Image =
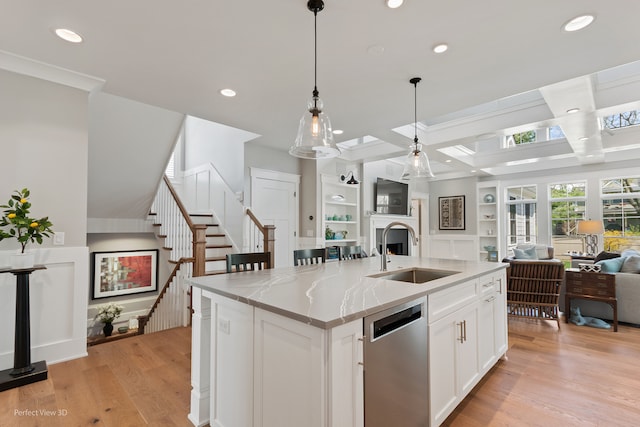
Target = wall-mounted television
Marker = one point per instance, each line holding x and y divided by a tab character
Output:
391	197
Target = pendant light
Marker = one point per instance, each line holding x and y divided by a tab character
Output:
315	138
417	164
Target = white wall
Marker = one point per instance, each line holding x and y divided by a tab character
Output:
223	146
43	136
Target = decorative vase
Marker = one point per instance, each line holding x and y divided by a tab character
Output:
22	260
107	329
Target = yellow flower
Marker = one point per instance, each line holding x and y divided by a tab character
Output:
11	215
23	200
33	225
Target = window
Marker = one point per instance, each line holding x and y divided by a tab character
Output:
621	213
521	214
567	207
622	120
555	132
521	138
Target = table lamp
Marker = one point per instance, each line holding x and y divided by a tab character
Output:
590	229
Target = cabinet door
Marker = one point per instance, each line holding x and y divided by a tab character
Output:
443	343
453	360
487	333
500	315
289	380
467	351
346	387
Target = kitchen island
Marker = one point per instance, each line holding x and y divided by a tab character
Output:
284	347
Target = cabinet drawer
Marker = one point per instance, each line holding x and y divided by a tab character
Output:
448	300
591	290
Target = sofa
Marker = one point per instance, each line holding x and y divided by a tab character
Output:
529	251
626	267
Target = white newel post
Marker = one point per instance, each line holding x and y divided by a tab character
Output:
200	358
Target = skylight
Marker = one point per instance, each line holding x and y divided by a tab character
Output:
622	120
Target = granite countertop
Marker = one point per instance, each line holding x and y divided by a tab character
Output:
330	294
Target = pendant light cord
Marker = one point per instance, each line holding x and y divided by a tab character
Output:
315	55
415	114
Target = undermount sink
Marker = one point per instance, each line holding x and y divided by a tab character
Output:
414	275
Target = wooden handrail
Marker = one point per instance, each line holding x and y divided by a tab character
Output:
143	320
268	235
174	194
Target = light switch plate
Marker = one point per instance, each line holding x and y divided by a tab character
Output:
58	238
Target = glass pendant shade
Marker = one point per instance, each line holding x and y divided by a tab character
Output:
315	137
417	164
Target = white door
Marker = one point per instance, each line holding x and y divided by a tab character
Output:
274	201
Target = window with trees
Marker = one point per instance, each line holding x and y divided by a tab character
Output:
621	213
568	201
521	214
621	120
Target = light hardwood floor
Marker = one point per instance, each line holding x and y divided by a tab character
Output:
578	376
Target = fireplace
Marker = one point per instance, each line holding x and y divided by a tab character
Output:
397	241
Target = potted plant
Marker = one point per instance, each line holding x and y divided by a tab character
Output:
107	313
16	223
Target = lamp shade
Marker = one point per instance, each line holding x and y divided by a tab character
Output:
590	227
315	137
417	164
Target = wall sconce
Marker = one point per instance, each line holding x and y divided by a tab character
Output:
351	179
590	229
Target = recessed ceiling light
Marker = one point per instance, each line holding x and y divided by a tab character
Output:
228	92
440	48
393	4
338	132
473	171
68	35
448	161
583	138
578	23
572	110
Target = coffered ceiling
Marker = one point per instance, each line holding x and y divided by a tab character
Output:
510	67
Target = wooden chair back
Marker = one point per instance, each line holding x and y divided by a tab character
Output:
350	252
248	261
533	289
309	256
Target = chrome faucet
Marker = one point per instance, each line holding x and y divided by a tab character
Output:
383	255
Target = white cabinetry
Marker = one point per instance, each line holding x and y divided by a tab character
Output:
467	335
340	211
295	363
488	216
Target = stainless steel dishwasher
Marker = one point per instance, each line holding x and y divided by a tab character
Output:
396	383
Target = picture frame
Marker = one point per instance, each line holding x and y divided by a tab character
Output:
118	273
451	213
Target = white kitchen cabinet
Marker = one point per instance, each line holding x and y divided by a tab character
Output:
453	360
465	339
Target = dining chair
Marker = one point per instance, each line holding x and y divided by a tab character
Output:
248	261
309	256
350	252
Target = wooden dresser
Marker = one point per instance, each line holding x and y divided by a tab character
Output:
591	286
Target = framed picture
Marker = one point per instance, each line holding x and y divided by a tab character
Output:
451	212
124	273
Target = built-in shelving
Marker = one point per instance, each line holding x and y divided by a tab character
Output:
488	216
340	211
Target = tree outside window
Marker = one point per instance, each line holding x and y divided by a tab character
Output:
621	213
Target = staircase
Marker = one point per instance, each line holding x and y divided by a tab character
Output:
196	246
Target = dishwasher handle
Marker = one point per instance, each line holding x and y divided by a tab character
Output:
395	321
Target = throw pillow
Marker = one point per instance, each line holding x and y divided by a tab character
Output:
612	265
631	264
605	255
525	253
629	252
